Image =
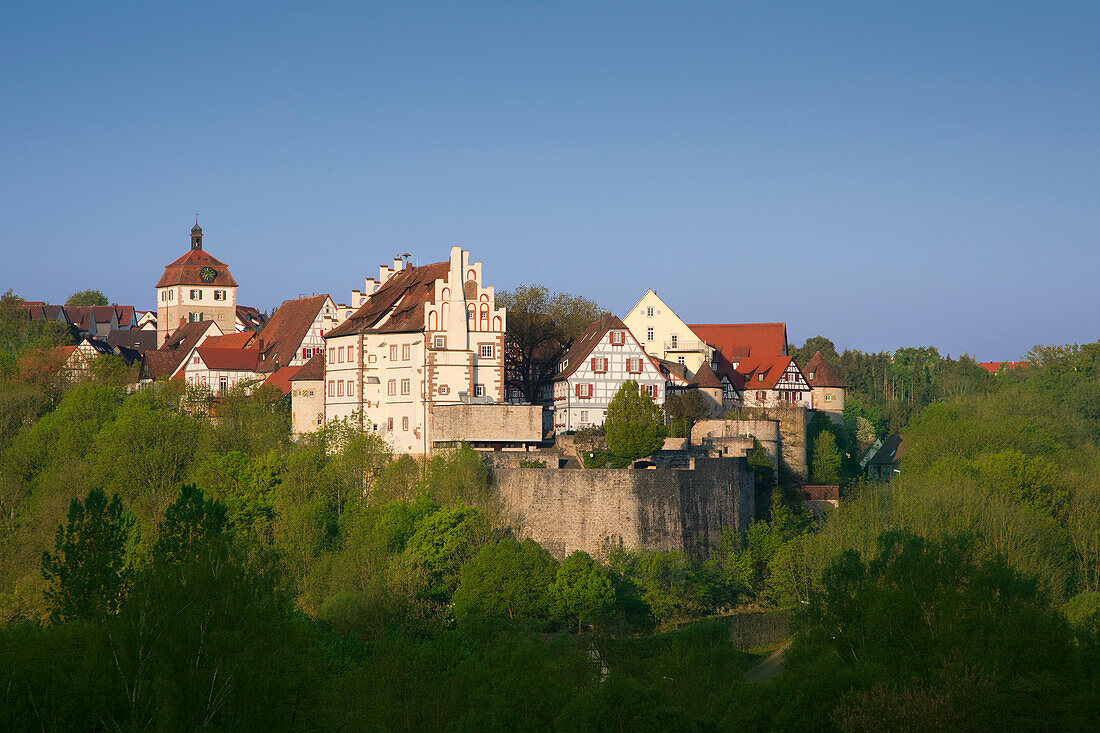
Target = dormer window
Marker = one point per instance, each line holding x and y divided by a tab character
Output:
760	377
810	375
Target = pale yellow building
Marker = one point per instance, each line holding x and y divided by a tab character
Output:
664	335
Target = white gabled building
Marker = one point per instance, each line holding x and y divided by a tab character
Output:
424	335
600	360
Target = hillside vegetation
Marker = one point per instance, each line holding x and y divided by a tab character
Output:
167	569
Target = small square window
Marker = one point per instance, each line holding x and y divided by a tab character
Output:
440	342
479	390
649	312
486	351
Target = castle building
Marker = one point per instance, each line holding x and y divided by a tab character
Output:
423	336
196	287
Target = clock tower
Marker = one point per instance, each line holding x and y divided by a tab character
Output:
196	287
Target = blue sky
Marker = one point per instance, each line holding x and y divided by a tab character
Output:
883	175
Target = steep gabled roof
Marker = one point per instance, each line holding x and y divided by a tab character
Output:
820	373
164	362
592	336
186	269
397	306
314	369
771	368
39	311
738	340
250	317
284	333
892	450
125	314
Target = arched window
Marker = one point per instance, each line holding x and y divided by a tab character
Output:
445	295
471	274
432	324
471	315
497	324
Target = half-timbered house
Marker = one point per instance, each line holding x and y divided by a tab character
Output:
772	381
593	370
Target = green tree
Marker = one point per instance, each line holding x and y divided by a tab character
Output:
684	410
825	468
634	425
583	592
88	572
506	579
87	297
541	328
442	543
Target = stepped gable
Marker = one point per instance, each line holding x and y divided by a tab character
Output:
398	305
705	378
186	269
164	362
284	332
820	373
314	369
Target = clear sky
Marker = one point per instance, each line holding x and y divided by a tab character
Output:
883	175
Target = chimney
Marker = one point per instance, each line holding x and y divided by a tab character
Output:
397	263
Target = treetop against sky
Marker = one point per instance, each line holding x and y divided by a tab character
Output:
885	176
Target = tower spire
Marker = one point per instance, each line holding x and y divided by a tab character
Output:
196	234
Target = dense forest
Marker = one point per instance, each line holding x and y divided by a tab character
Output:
172	565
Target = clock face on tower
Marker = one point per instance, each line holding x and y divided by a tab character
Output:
207	274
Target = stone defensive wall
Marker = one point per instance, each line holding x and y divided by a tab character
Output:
515	425
781	430
657	509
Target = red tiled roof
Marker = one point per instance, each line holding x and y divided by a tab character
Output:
283	334
281	378
314	369
236	360
397	306
164	362
126	315
588	340
244	339
735	340
771	368
996	366
186	269
820	373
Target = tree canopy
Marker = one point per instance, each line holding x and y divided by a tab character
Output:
87	297
634	424
541	327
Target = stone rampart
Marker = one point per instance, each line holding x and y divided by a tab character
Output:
487	423
734	437
657	509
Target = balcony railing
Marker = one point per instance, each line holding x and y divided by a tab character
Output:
687	345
